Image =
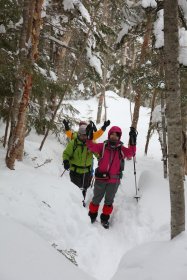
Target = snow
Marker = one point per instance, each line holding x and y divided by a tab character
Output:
149	3
94	61
53	75
159	29
2	29
69	5
183	5
183	46
39	208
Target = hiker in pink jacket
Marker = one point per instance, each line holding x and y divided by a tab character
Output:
109	171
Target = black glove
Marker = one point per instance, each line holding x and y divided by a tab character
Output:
89	131
132	136
106	123
94	126
66	125
66	164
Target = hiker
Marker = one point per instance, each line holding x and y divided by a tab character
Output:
78	159
96	134
109	171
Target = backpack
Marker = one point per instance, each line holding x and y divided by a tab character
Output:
121	156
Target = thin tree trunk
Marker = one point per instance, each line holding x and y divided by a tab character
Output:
105	65
137	103
10	101
102	95
144	51
173	114
164	137
99	110
150	121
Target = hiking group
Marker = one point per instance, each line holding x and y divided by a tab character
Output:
78	159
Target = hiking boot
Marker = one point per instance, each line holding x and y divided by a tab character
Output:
92	220
93	216
105	224
104	220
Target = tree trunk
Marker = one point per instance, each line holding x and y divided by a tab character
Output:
105	66
137	103
16	138
150	121
173	114
9	101
30	31
164	137
183	76
144	51
99	110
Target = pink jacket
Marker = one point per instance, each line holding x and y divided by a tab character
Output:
110	162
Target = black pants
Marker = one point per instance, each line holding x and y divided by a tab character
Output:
81	180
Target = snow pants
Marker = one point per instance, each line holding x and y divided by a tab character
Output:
81	180
103	190
106	190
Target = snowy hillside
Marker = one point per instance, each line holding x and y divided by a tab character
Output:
43	221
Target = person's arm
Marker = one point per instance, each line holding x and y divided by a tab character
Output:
69	134
129	152
98	134
68	151
68	131
94	147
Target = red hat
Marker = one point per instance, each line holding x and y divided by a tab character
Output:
82	123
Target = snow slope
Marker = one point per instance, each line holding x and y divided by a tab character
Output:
39	208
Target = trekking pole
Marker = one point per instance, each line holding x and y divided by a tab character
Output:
136	187
83	191
63	173
92	181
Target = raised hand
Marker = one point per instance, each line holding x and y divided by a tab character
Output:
106	123
132	136
66	125
89	131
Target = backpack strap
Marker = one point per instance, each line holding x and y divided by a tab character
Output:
104	146
75	144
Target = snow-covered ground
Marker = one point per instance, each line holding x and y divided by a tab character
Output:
42	218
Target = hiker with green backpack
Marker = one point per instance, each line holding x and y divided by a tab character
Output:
78	159
109	171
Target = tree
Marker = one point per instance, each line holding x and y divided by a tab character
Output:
30	33
173	115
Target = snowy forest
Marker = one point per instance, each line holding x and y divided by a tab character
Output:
92	60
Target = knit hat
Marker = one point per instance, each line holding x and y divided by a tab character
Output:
82	129
82	123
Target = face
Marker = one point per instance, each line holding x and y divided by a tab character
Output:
114	136
83	137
